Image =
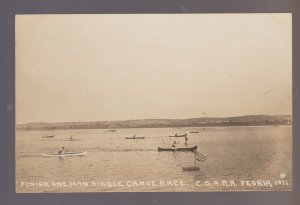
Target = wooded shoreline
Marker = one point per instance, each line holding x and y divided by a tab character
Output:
250	120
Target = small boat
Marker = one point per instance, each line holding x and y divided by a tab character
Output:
66	154
176	135
194	132
135	138
190	168
184	149
48	136
74	139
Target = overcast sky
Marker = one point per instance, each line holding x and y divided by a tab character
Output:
119	67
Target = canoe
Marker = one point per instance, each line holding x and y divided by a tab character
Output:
74	139
194	132
184	135
135	138
183	149
48	136
190	168
66	154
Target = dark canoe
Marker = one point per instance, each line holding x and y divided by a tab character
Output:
182	149
184	135
48	136
135	138
190	168
194	132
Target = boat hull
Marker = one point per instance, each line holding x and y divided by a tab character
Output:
190	168
67	154
48	136
178	135
136	138
182	149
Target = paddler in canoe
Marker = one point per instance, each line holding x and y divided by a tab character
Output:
174	145
185	140
62	151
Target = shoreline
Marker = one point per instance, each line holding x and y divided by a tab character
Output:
44	129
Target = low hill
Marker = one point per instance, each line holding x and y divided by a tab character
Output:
249	120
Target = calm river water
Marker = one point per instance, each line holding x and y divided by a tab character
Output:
238	158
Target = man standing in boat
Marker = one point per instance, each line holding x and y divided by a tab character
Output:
62	151
185	139
174	144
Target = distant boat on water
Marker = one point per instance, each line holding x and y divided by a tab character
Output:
135	138
72	139
48	136
177	135
194	132
183	149
66	154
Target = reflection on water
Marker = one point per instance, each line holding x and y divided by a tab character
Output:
233	153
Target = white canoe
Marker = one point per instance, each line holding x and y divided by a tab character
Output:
66	154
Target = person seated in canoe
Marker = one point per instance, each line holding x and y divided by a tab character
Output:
174	144
62	151
176	134
133	136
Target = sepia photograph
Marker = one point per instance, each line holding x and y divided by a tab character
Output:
153	102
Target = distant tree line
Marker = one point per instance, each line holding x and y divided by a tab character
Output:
159	124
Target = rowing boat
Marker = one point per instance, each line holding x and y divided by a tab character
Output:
66	154
48	136
184	135
73	139
135	138
184	149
